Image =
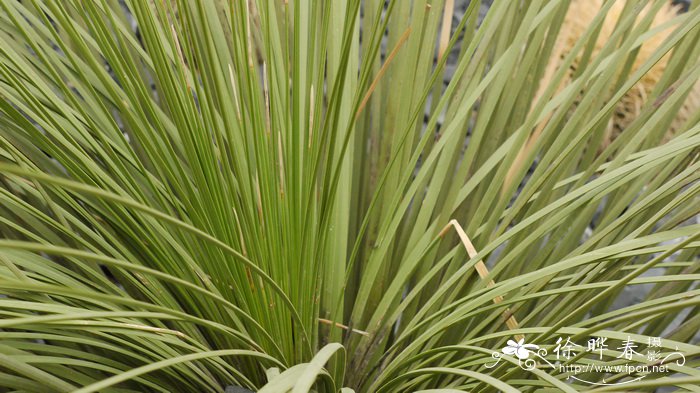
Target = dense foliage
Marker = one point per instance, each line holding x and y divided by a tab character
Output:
286	194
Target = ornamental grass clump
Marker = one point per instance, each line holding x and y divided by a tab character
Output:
336	196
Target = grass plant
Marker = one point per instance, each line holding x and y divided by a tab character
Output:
326	196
